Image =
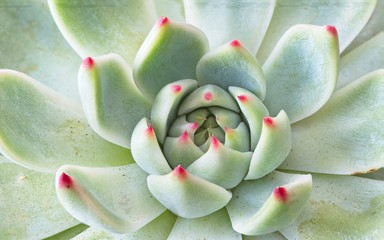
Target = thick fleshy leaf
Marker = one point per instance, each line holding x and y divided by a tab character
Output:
146	149
259	207
341	207
214	226
348	17
199	116
221	165
169	53
159	228
207	96
29	208
186	195
302	70
238	138
253	109
43	130
181	150
273	147
31	43
180	125
232	65
362	60
223	21
69	233
166	105
86	193
346	136
225	118
111	101
95	28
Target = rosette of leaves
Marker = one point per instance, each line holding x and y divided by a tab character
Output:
234	124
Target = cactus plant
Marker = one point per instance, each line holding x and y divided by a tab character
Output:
225	120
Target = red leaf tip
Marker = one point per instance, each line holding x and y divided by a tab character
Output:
184	137
163	21
281	194
88	63
235	43
65	181
194	125
176	88
208	96
268	121
332	30
214	142
149	131
242	98
180	172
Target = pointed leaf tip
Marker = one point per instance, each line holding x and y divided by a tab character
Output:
176	88
163	21
149	131
215	143
184	137
235	43
180	172
332	30
88	63
65	181
281	194
268	121
242	98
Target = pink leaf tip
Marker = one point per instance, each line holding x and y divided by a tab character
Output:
194	125
268	121
176	88
88	63
215	143
332	30
163	21
180	172
65	181
184	137
208	96
281	194
235	43
242	98
149	131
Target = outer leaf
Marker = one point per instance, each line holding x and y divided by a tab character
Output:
348	17
346	136
341	207
302	70
214	226
167	103
223	21
97	27
159	228
186	195
31	43
111	101
169	53
43	130
28	205
146	149
232	64
273	147
69	233
362	60
115	199
259	207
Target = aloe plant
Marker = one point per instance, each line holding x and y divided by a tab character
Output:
223	120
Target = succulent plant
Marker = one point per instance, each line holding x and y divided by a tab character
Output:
225	120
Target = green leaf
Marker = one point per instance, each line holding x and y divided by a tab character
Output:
167	103
111	101
232	64
302	70
31	43
221	165
259	207
207	96
97	27
146	149
114	199
253	109
186	195
223	21
169	53
341	207
43	130
273	147
214	226
29	208
348	17
238	138
346	136
362	60
69	233
159	228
